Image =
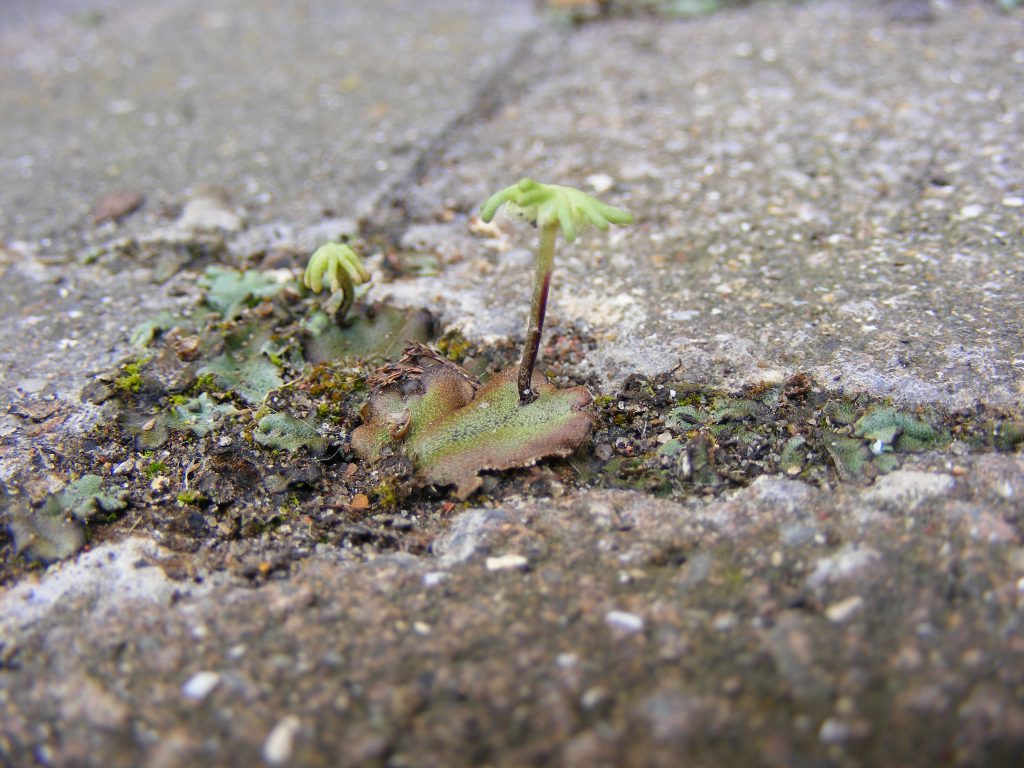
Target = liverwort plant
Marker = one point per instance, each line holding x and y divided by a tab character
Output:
549	207
340	265
453	428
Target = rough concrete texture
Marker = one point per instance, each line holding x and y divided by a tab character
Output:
294	108
818	188
300	114
782	626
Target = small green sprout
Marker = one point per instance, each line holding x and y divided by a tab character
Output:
548	207
191	498
155	468
343	270
130	380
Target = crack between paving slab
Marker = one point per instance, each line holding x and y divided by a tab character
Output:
389	217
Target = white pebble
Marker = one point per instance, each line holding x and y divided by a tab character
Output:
971	211
1013	202
506	563
600	182
31	386
237	651
434	578
124	466
277	749
567	660
839	731
204	213
723	622
623	620
844	609
833	731
850	562
200	685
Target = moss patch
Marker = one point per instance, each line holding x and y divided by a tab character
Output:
669	436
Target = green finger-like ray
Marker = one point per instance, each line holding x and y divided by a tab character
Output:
355	267
613	214
566	220
336	275
314	272
495	201
347	272
532	198
595	216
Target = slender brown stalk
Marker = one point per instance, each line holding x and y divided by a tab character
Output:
541	284
348	293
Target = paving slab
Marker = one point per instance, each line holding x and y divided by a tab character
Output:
292	109
817	189
290	117
781	625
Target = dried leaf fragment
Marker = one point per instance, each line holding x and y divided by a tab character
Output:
117	205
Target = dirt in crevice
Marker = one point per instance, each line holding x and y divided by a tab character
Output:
203	470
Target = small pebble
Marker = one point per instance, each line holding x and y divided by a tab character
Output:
506	563
124	466
209	212
838	731
623	620
723	622
594	697
971	211
600	182
434	578
848	563
487	229
32	386
1013	202
277	749
844	609
200	685
567	660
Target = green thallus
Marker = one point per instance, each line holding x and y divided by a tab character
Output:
343	270
548	207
